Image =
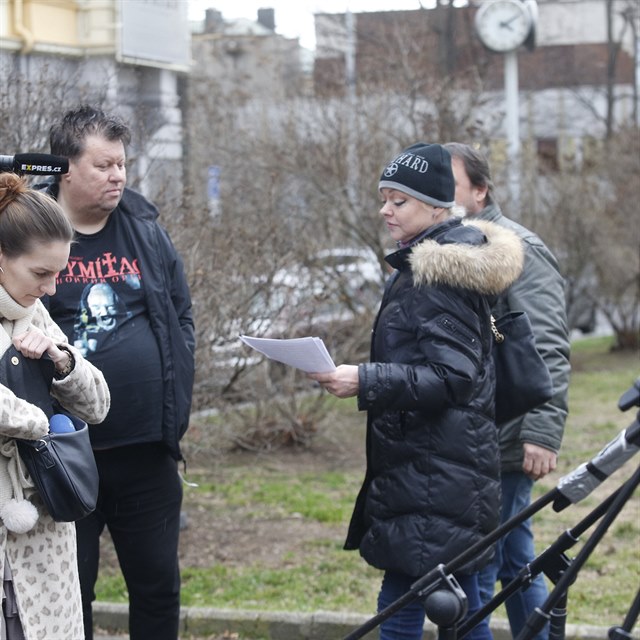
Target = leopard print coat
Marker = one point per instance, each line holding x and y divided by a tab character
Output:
43	561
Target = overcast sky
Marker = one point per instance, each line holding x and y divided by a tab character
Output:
294	18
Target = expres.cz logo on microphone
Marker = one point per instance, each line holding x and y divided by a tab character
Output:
31	168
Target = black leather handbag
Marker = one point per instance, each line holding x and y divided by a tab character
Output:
61	465
523	381
64	471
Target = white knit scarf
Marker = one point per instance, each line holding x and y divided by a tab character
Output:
15	318
18	514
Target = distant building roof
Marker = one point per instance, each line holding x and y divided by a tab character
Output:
214	22
245	27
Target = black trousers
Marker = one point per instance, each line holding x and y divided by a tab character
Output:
139	502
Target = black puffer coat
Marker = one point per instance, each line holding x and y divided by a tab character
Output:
432	483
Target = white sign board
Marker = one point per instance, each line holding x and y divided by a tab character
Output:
155	31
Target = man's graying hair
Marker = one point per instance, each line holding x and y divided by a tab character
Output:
476	166
67	137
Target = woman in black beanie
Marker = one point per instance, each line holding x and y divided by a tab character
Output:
431	488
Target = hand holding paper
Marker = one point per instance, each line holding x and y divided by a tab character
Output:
343	382
307	354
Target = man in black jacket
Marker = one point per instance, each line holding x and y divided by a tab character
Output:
123	300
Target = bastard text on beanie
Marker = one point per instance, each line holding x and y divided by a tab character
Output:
422	171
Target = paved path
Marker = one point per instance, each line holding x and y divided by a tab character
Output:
199	623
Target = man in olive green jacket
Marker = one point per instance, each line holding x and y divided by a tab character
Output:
529	445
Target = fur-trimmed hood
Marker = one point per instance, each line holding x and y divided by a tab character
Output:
488	268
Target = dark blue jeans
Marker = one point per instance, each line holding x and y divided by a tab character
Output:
408	622
139	502
513	552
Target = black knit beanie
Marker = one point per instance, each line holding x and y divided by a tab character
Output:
422	171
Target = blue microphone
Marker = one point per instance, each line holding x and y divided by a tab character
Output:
59	423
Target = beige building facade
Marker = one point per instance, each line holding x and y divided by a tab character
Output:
130	55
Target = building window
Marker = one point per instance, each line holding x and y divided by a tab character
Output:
548	155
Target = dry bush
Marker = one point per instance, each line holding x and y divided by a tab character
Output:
589	218
295	178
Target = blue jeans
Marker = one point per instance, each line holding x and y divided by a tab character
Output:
513	552
408	622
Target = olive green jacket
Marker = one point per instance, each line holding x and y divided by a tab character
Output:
540	292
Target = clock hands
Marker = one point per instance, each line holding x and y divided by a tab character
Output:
503	25
507	23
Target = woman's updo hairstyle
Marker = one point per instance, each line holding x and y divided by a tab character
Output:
28	217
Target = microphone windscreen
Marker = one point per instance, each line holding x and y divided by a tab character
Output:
40	164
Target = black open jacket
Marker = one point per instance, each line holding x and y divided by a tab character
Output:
169	306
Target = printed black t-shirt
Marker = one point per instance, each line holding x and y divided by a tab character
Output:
99	304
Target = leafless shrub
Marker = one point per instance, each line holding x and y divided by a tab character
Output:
589	218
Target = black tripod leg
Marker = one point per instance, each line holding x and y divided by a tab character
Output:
540	617
431	580
552	562
558	619
624	632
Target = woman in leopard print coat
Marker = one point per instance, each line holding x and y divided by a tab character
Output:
41	595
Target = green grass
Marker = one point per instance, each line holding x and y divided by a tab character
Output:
318	574
320	498
304	587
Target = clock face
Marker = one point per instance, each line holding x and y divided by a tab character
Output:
503	25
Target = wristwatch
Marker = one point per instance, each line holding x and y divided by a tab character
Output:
68	368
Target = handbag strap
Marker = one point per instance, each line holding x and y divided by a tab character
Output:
499	337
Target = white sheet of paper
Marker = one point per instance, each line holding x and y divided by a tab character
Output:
308	354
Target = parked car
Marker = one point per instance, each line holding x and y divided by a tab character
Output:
353	275
330	288
333	294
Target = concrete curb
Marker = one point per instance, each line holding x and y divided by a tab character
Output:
275	625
